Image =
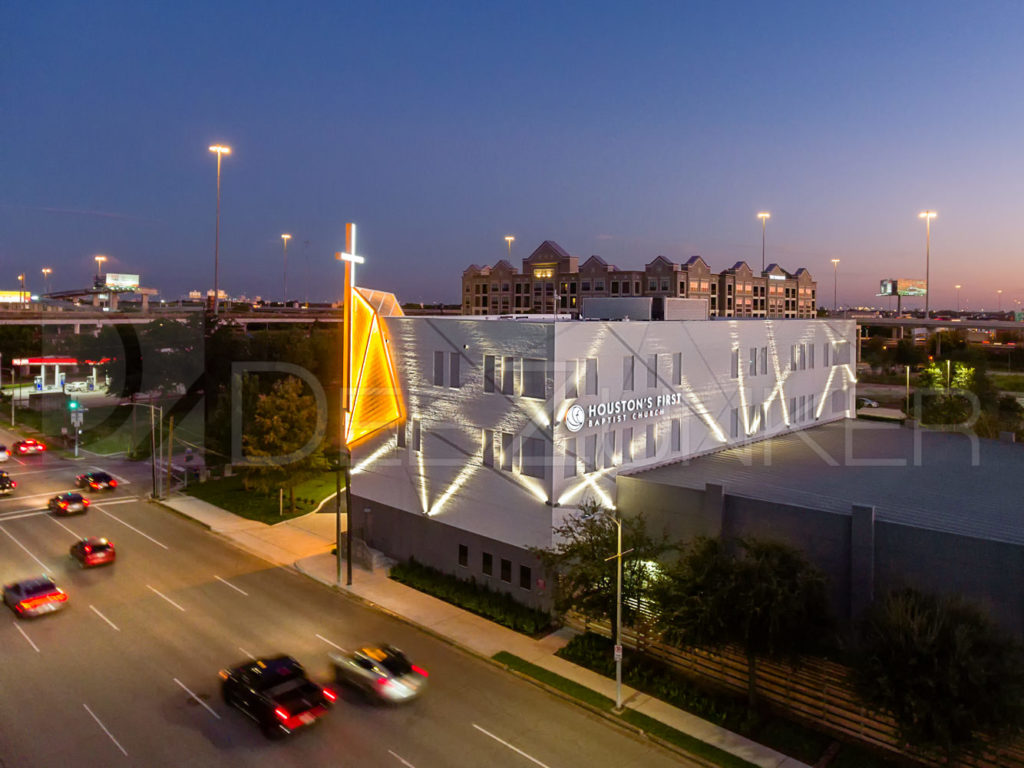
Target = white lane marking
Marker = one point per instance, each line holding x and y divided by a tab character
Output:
122	522
335	645
205	705
41	471
101	725
18	514
29	639
58	522
222	581
165	597
97	612
402	760
246	652
124	500
514	749
24	547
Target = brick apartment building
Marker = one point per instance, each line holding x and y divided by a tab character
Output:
553	281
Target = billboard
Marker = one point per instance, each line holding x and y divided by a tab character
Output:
903	287
117	282
13	297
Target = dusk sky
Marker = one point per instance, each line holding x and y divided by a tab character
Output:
626	130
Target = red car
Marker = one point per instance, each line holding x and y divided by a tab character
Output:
34	597
27	447
93	551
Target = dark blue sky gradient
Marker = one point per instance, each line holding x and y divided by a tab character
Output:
625	130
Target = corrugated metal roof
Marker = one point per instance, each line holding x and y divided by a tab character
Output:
936	480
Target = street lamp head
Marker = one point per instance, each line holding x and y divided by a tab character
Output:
835	261
100	259
220	149
46	270
21	277
286	237
510	239
764	215
957	287
927	215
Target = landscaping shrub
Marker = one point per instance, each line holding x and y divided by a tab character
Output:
473	597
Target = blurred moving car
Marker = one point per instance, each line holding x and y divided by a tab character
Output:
865	402
98	481
27	447
7	484
5	454
34	597
276	693
93	551
76	386
381	671
68	504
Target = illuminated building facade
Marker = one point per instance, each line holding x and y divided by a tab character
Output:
551	280
509	424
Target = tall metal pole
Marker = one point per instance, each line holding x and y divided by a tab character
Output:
763	223
285	238
152	449
618	615
337	514
216	247
350	532
927	265
835	285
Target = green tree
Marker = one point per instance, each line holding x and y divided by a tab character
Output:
585	564
946	674
767	598
284	419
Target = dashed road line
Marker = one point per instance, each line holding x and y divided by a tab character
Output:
29	639
246	652
165	597
24	548
200	701
402	760
514	749
101	725
228	583
128	525
58	522
97	612
334	645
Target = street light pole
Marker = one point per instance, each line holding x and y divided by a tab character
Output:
763	216
220	150
510	239
99	261
957	298
835	285
927	216
285	238
21	295
999	298
46	279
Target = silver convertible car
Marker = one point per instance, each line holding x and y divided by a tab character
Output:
381	671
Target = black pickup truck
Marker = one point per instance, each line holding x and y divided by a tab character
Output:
275	693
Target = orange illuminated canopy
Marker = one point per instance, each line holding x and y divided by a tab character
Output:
376	400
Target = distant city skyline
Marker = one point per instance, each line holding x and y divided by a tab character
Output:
440	129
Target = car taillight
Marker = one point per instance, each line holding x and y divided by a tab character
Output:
41	447
35	602
223	674
420	671
87	549
281	713
94	485
63	505
112	483
330	695
14	483
382	682
85	502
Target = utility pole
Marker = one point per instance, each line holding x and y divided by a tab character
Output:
152	450
170	451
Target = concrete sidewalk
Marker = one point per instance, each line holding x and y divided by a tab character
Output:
305	543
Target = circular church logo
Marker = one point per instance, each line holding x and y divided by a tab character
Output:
575	418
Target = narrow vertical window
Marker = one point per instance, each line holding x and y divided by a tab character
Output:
463	555
508	376
677	369
506	570
572	389
591	376
416	445
677	436
652	371
652	447
735	364
824	349
627	373
507	441
734	428
487	563
590	453
439	369
489	375
609	449
454	365
569	469
810	355
792	409
752	363
488	448
627	445
400	435
525	578
764	361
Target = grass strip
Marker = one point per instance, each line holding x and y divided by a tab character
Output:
638	720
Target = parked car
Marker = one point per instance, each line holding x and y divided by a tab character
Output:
98	481
93	551
76	386
68	504
381	671
5	454
866	402
276	694
28	447
34	597
7	484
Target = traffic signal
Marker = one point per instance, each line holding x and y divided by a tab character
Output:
72	405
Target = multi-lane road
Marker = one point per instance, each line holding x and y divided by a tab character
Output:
126	674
